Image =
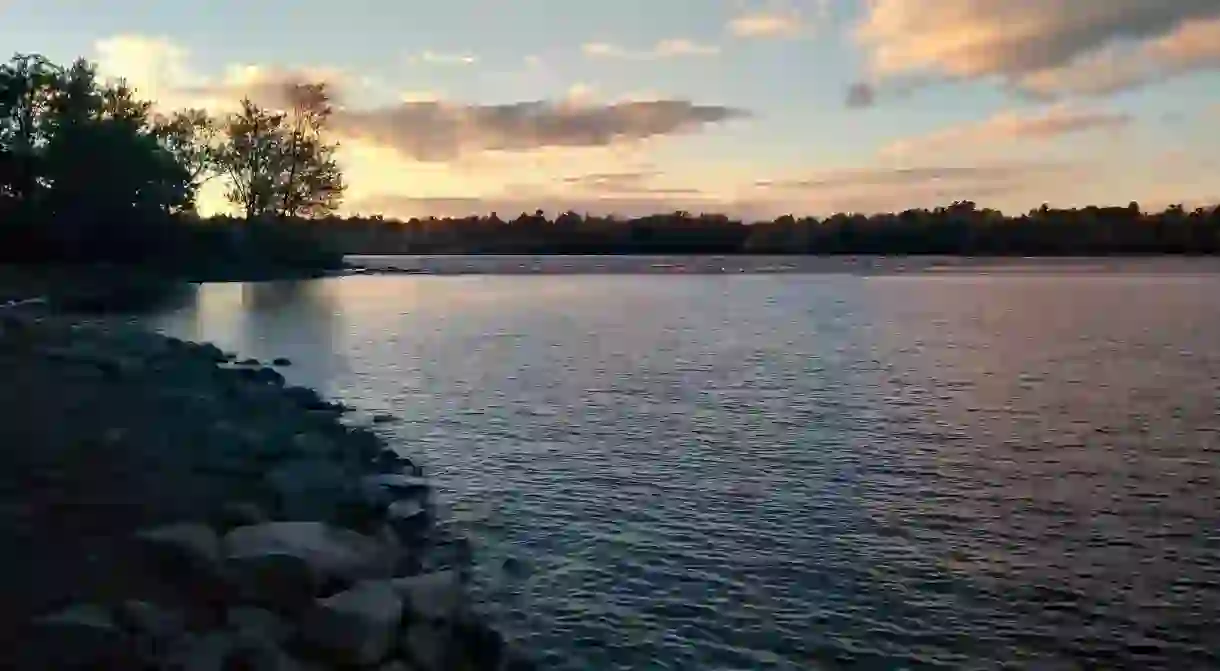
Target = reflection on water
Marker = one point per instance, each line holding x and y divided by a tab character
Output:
796	472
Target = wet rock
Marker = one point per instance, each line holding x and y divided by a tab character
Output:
384	418
249	362
269	376
357	626
83	636
281	362
181	552
309	399
210	352
408	519
432	597
388	460
397	486
328	551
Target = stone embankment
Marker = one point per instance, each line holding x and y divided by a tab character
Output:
178	510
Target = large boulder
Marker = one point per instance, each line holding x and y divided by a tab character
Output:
329	553
389	487
82	636
310	488
428	645
409	520
253	623
183	555
155	631
358	626
432	597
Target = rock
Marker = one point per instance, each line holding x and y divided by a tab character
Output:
396	665
155	630
478	645
357	626
379	491
328	551
83	636
239	514
389	460
281	362
279	580
310	488
269	376
427	646
432	597
182	551
210	352
257	623
249	362
400	485
408	519
383	418
309	399
201	652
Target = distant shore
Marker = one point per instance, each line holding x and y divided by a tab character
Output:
163	501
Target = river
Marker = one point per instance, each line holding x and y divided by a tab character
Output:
799	468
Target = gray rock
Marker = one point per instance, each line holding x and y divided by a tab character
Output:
432	597
408	519
328	551
83	636
181	551
427	645
384	418
287	582
239	514
155	630
358	626
399	485
281	361
201	652
257	624
310	488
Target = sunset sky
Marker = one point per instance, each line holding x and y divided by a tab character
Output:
753	108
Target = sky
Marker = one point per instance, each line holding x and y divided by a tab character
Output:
753	108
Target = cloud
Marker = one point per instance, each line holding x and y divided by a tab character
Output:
912	176
668	48
1045	47
437	58
1006	127
633	183
768	24
861	94
438	131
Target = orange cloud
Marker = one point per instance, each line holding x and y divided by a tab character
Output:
1046	47
1008	127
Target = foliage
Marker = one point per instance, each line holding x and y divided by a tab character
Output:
89	173
279	163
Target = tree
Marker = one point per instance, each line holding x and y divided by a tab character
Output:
279	163
27	84
192	138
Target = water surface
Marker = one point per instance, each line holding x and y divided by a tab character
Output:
798	471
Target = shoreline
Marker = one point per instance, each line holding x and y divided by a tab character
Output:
178	505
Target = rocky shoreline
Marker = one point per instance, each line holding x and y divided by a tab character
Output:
183	510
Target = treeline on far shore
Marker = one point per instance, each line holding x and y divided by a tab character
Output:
91	173
961	228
